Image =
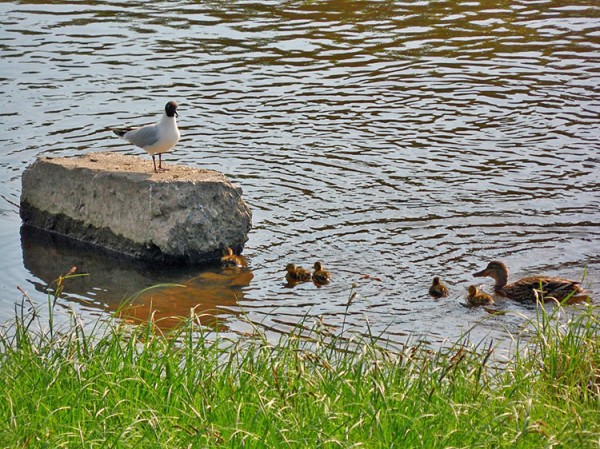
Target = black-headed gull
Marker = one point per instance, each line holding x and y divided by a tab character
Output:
155	139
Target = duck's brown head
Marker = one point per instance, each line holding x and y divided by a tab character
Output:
497	271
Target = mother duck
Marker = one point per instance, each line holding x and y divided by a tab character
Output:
531	288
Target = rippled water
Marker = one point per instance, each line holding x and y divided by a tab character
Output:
401	140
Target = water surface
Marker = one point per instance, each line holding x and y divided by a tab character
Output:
399	140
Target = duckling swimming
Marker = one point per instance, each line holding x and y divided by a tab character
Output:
438	289
478	298
296	274
231	260
530	288
320	275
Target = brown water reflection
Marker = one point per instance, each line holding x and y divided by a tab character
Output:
208	298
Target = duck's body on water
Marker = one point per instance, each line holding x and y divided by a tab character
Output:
531	288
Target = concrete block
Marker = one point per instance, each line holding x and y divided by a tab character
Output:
182	216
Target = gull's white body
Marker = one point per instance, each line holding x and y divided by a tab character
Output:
154	139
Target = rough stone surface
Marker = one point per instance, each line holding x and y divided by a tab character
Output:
184	215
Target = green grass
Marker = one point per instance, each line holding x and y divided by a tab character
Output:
120	386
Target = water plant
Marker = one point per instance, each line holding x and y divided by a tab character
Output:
122	386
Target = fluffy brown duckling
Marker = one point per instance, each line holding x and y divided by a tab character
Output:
531	288
231	260
438	289
478	298
320	275
296	274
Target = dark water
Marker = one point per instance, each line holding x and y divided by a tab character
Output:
399	140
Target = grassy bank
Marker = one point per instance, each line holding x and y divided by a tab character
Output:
125	387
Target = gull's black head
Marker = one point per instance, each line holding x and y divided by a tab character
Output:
171	109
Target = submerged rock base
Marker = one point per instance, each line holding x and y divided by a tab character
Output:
183	215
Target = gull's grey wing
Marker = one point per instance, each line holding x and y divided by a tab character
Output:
143	137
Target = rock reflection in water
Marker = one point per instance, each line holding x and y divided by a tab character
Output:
212	294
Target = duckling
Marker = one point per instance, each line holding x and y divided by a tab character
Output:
530	288
478	298
296	274
231	260
438	289
320	275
